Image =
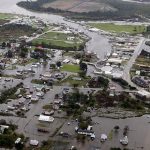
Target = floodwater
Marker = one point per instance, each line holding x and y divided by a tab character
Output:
139	128
98	43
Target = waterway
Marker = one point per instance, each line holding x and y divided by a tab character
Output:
98	43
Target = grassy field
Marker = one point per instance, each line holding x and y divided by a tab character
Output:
70	68
111	27
58	39
143	61
71	81
4	16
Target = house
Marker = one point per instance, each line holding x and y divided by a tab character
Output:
44	118
66	61
34	99
114	60
140	82
2	66
39	88
47	75
143	93
2	128
40	94
34	142
84	132
124	141
103	137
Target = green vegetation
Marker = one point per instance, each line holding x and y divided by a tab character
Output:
9	93
70	68
123	100
110	136
5	16
28	61
98	82
141	64
75	81
8	137
48	107
58	39
124	84
111	27
14	31
77	102
124	10
141	60
55	145
37	81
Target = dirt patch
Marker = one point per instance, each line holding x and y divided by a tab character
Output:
62	4
92	6
79	6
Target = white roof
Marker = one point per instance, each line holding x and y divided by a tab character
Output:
106	68
115	60
66	61
107	72
94	29
77	61
117	75
40	94
46	118
124	141
114	54
34	142
18	140
103	137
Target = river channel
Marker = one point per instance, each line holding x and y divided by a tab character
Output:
98	43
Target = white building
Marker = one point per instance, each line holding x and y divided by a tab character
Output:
46	118
143	93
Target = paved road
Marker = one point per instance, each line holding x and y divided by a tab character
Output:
126	74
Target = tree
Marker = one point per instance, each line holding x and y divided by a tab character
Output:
9	54
82	74
3	122
8	45
148	29
125	131
19	146
58	64
116	128
52	66
3	45
83	66
23	52
75	85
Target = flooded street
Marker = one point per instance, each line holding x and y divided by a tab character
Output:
139	127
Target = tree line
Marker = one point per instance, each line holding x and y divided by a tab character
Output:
124	10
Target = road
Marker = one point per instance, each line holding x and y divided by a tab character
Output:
126	74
